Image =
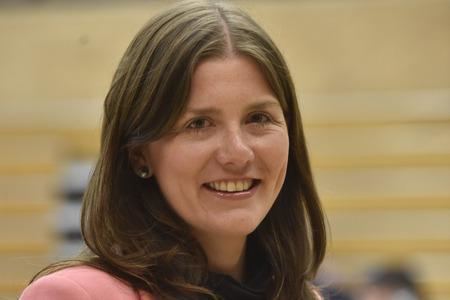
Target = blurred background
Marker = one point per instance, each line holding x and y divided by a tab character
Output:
373	79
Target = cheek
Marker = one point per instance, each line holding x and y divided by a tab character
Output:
177	166
275	152
275	155
173	168
174	157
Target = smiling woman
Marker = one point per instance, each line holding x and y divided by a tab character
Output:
203	188
224	165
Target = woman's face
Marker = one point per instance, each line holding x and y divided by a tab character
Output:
224	163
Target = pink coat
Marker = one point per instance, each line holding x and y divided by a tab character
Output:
81	283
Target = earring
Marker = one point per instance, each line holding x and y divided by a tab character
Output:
144	172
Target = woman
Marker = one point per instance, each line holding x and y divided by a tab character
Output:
203	188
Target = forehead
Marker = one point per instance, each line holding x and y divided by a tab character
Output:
216	65
234	78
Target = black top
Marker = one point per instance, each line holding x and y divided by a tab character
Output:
255	285
229	289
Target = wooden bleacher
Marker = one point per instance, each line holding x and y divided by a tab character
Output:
28	183
378	129
382	165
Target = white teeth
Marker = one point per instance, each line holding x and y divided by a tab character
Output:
239	186
231	186
246	185
223	186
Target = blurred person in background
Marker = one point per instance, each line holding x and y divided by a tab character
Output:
391	284
203	187
330	281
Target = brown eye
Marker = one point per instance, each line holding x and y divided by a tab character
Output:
260	118
198	123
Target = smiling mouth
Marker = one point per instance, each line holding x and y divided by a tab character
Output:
232	186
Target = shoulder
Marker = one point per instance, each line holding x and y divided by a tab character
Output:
81	283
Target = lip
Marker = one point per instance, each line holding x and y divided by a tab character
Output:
235	195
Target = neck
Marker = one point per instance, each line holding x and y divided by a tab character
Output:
225	255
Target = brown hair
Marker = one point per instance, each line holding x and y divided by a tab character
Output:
128	227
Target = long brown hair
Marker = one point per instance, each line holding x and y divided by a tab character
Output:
129	229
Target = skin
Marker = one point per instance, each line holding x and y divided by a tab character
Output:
233	129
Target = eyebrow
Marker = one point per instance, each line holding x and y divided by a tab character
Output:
265	104
215	111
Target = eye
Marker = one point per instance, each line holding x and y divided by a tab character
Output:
199	123
259	118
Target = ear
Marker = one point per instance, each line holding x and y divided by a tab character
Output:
138	160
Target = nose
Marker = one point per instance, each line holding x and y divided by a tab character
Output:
234	152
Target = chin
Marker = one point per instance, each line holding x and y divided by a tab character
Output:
238	227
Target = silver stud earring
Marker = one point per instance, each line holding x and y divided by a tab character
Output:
144	172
